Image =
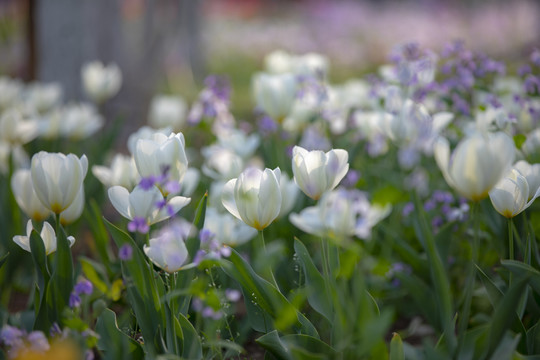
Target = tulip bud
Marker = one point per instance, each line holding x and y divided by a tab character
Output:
254	197
510	196
57	178
316	172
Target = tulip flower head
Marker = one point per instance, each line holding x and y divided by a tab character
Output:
168	250
161	154
316	172
254	197
510	196
275	94
57	178
144	207
101	82
477	164
47	235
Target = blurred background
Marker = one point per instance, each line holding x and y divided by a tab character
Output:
170	46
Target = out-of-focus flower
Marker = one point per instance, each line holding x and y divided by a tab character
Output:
101	82
145	132
254	197
316	172
145	207
280	62
477	164
10	92
47	235
23	191
125	252
228	229
275	94
80	121
122	172
57	178
531	174
17	129
238	141
43	97
221	163
167	249
339	215
510	196
289	194
168	111
162	154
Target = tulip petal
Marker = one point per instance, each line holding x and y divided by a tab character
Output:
119	197
227	198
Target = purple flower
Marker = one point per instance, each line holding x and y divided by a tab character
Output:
407	209
138	224
74	300
351	178
147	182
11	336
38	341
205	235
84	287
535	57
125	252
233	295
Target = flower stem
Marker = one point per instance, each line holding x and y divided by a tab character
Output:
511	238
268	269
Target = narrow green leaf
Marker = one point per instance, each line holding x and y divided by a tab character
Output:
193	243
504	313
3	259
506	348
396	348
88	268
317	289
100	235
265	295
113	342
37	248
521	270
192	347
272	343
533	339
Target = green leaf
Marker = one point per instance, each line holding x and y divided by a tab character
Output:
39	256
519	139
533	339
296	346
192	347
89	267
505	312
144	290
101	237
62	278
317	289
113	342
396	348
521	270
266	296
193	243
388	194
507	348
3	259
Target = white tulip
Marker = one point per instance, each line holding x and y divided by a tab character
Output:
43	97
477	164
80	121
168	250
16	128
531	174
122	172
47	235
10	92
23	191
510	196
340	214
167	111
221	163
275	94
162	155
145	132
57	178
147	205
316	172
254	197
101	82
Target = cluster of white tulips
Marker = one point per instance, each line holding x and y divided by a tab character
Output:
392	167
